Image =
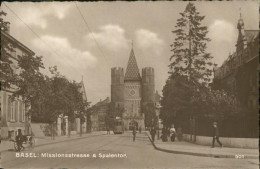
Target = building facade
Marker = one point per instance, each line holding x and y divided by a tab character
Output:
13	111
132	92
98	115
239	76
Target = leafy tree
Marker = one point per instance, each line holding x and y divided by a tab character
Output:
176	100
29	79
216	105
7	74
65	99
189	48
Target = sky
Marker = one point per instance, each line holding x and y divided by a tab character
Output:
90	47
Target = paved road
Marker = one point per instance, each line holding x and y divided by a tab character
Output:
138	154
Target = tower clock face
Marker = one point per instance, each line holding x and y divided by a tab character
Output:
132	92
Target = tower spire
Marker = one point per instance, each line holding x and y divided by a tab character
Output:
132	70
240	24
132	44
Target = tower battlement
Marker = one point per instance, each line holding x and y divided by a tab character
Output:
147	85
148	75
148	71
117	69
117	85
117	75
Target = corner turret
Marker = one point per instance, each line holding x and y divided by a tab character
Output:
147	85
117	85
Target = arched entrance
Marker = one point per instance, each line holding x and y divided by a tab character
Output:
132	124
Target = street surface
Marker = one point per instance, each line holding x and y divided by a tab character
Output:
138	154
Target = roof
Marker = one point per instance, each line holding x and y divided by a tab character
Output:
82	89
102	102
19	44
251	35
132	70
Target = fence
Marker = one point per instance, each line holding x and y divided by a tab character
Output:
241	127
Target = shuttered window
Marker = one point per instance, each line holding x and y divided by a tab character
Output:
9	104
16	110
20	111
23	112
11	111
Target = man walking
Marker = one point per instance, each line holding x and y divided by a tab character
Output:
153	132
20	139
108	130
134	132
172	131
215	135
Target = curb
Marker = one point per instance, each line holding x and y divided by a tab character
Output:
78	138
198	154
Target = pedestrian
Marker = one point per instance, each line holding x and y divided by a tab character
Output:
20	139
108	130
134	132
153	132
172	133
140	129
168	132
215	135
164	134
179	134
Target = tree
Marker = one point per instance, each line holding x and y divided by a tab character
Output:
28	81
66	99
176	100
7	74
77	103
189	48
216	105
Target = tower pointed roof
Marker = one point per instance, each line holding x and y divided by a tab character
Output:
132	70
82	90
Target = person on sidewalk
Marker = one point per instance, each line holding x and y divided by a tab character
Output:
153	132
164	134
215	135
140	129
179	134
168	133
108	130
172	133
20	139
134	132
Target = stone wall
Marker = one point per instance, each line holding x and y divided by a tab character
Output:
226	141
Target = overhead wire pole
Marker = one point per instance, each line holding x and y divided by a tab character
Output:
31	29
102	53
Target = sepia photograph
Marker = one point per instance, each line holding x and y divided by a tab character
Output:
129	84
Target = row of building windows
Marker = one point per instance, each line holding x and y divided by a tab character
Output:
15	111
131	86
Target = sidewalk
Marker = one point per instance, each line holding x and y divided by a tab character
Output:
6	145
188	148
